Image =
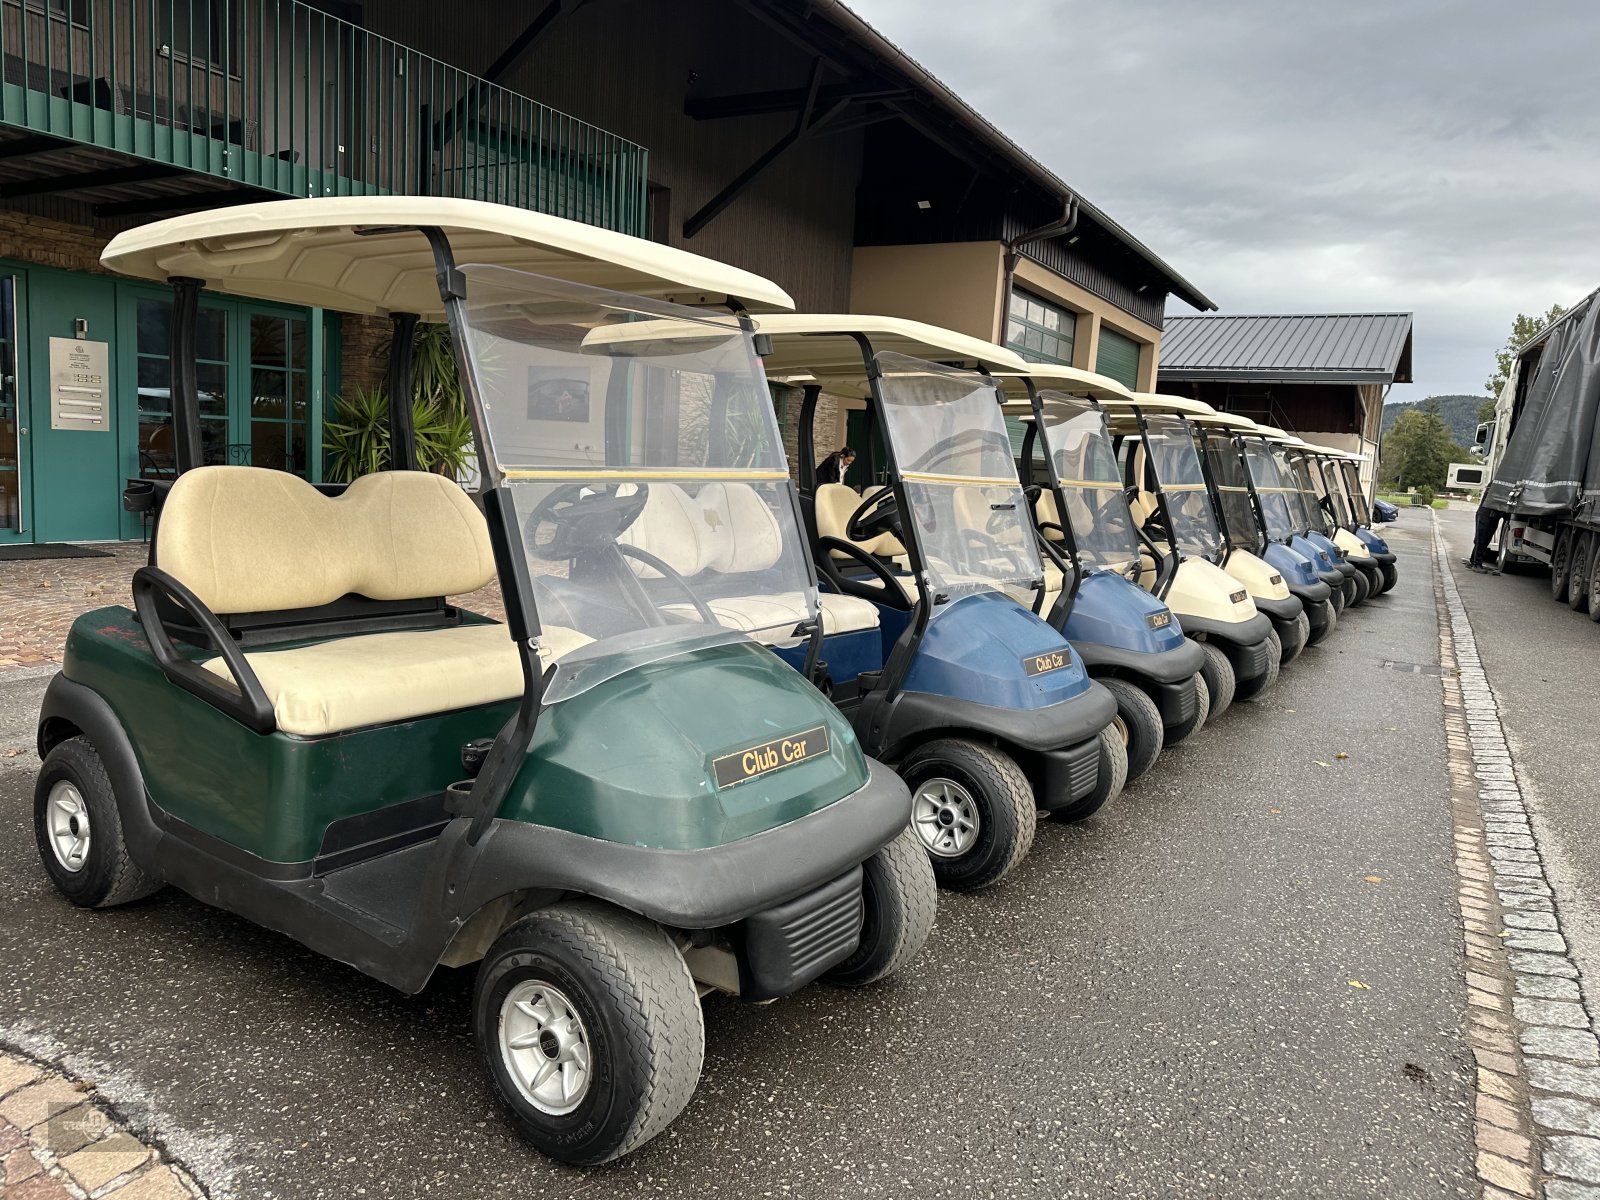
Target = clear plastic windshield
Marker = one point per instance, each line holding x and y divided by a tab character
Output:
1332	488
1085	462
1233	488
1355	493
953	458
1279	501
640	450
1317	517
1177	467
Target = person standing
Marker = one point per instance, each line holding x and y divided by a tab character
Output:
1488	521
832	469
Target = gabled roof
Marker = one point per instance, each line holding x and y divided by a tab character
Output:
1300	348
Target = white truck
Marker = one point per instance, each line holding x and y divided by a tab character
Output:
1541	454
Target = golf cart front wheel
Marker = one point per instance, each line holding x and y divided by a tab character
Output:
79	830
1374	575
1293	638
1258	686
1391	574
972	809
899	896
1202	710
1138	723
1220	681
1336	596
590	1028
1357	584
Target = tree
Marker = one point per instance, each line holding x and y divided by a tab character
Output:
1418	451
1523	328
1486	409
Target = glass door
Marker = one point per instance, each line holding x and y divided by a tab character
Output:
279	391
14	497
153	364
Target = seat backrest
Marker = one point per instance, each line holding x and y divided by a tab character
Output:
834	503
1045	509
250	540
738	531
669	527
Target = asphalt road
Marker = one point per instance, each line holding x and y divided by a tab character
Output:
1162	1001
1543	661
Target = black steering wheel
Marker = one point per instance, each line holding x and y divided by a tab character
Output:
583	517
879	513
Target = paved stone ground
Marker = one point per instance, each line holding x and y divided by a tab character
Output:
59	1140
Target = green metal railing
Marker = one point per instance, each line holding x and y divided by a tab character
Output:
277	95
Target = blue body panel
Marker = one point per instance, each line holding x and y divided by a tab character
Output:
1317	548
976	647
847	654
1294	566
1374	543
1113	611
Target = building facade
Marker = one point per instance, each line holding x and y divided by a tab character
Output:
787	138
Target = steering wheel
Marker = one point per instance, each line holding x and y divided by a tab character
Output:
879	513
678	581
584	517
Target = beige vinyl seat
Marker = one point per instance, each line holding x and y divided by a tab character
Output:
728	530
250	540
834	502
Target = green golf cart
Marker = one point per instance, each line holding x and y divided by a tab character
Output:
613	801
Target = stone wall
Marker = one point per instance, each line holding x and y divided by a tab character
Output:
41	241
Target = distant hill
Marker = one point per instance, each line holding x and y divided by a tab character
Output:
1459	412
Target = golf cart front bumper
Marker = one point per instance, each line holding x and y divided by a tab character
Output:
1311	594
1332	578
1068	774
1280	612
1320	614
1167	676
1244	642
1383	557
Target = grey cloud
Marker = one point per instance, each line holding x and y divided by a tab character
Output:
1440	156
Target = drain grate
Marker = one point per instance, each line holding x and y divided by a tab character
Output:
1410	668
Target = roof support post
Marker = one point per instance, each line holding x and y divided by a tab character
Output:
185	388
402	429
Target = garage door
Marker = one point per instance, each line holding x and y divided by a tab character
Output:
1118	357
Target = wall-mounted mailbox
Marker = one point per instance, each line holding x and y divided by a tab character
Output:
79	385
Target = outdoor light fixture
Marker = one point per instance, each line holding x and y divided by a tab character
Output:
924	204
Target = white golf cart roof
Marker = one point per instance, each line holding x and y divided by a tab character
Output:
1224	420
363	254
820	346
1061	378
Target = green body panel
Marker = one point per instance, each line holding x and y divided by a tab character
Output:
630	759
271	795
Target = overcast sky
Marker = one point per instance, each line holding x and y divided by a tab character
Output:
1440	157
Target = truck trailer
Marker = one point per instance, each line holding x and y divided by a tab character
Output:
1542	456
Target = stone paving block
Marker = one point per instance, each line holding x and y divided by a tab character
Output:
1490	1060
1532	939
1518	903
1526	887
71	1130
1497	1085
1573	1156
1531	920
1532	1011
1541	964
1570	1078
1507	854
1519	870
1566	1189
1570	1116
1503	1142
1575	1045
16	1073
95	1166
1548	987
1504	1173
158	1183
40	1187
30	1105
1485	1000
19	1164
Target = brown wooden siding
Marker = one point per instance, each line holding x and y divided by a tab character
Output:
1324	407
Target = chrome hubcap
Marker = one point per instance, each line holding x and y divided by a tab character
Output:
67	822
945	817
545	1047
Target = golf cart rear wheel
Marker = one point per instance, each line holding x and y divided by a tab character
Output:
1254	689
1578	571
79	831
1391	574
1560	558
899	896
1202	710
1220	682
972	809
1138	723
590	1029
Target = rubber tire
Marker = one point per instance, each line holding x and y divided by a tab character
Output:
1355	590
1008	815
1391	576
1336	596
899	896
1109	781
109	877
1143	722
1220	682
1254	689
1202	709
1314	637
1560	560
1578	571
1374	575
1594	587
1297	640
642	1010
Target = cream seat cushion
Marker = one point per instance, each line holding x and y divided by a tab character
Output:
248	539
377	678
1047	513
834	504
773	618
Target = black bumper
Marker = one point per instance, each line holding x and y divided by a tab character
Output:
1333	579
1240	633
1176	701
915	717
1282	612
1249	661
1069	774
1384	558
1320	614
1311	593
787	946
1345	568
1166	666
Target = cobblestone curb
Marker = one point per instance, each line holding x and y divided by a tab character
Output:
1538	1106
57	1140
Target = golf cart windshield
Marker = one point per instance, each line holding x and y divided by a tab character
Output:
638	445
1316	517
1085	463
953	457
1177	467
1233	487
1279	501
1350	474
1329	483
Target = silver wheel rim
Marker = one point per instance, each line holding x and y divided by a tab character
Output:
67	822
545	1047
945	816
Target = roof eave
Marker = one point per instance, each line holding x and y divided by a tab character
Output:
1239	375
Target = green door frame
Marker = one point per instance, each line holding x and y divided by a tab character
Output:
24	406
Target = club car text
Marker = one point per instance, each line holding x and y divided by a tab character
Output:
1040	664
769	756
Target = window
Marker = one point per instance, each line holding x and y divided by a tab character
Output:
1040	330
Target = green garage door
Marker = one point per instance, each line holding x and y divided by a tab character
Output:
1118	357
